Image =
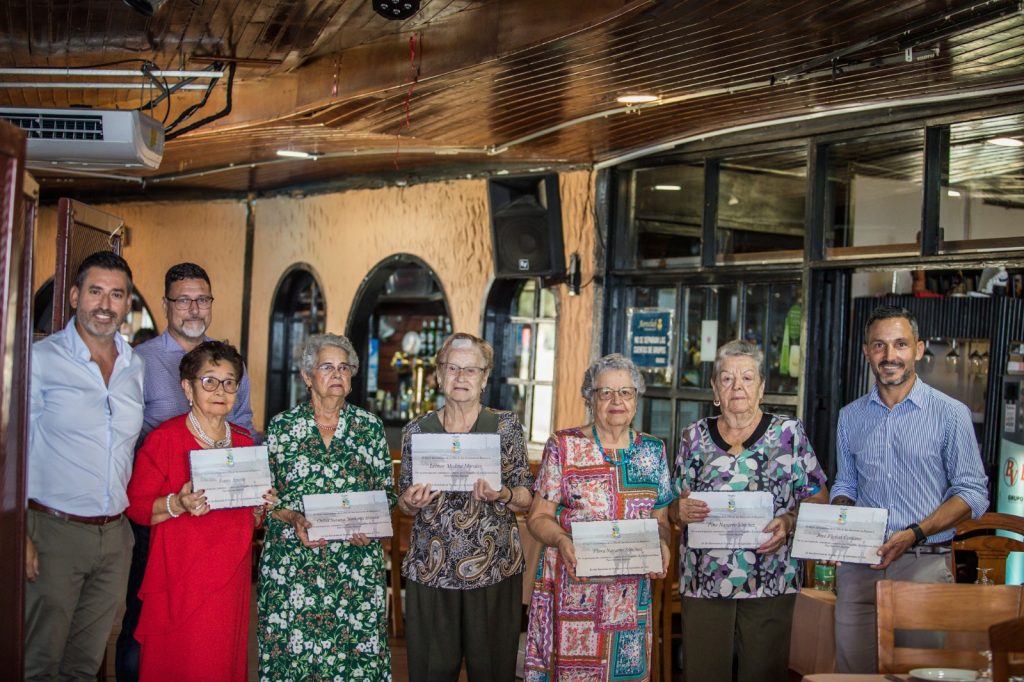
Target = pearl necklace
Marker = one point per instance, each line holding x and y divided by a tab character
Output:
205	439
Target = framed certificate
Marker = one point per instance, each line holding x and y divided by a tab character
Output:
829	532
736	520
454	461
231	477
339	516
611	548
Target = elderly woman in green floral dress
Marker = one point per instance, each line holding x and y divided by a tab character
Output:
322	604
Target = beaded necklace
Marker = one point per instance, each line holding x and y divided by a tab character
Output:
625	455
224	442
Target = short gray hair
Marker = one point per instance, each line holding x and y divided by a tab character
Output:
317	342
739	349
611	362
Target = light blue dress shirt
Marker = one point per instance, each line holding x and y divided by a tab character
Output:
911	458
82	432
163	394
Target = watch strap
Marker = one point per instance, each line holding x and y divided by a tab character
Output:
919	536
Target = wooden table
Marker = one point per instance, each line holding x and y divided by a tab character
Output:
812	647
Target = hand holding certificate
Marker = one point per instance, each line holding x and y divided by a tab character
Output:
611	548
339	516
231	477
455	461
735	520
828	532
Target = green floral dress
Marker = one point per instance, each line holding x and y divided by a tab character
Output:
322	612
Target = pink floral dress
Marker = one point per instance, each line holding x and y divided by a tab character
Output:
582	630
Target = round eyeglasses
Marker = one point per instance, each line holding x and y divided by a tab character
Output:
210	384
605	394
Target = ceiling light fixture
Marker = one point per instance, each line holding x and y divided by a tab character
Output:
395	9
952	193
668	188
146	7
637	98
295	154
1006	142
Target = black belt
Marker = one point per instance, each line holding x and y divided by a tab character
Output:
91	520
938	548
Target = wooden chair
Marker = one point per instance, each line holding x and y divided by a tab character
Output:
1003	639
990	549
395	548
949	607
666	597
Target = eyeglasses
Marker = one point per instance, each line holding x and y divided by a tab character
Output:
210	384
184	302
605	394
455	370
327	369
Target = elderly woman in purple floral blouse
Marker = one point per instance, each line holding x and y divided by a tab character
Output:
738	603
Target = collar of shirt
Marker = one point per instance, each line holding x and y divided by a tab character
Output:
76	345
918	396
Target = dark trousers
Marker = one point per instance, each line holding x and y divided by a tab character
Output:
482	625
746	640
126	660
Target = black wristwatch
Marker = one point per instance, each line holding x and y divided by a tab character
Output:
919	536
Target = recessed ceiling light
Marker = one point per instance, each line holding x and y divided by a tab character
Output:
952	193
636	98
668	188
1006	141
294	154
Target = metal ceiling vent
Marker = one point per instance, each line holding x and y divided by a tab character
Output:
396	9
89	138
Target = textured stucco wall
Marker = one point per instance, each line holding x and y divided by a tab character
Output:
342	236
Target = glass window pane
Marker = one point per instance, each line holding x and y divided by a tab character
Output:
522	306
654	415
874	190
761	202
522	345
983	196
540	424
545	367
547	303
520	401
689	336
668	209
785	310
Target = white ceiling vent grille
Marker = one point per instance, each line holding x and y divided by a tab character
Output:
45	126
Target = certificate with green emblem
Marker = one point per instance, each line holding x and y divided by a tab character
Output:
736	520
454	461
610	548
231	477
831	532
339	516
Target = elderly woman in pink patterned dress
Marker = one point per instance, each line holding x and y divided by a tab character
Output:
596	629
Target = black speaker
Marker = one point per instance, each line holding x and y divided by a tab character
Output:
526	226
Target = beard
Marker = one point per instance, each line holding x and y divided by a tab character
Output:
98	327
891	380
193	329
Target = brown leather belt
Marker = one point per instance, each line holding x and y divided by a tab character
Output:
91	520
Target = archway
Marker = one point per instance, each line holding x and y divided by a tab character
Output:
299	311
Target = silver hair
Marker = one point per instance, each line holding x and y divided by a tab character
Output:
611	362
317	342
738	349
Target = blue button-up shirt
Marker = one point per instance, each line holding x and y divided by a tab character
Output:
163	394
82	432
911	458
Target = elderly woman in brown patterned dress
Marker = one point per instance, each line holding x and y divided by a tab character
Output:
464	588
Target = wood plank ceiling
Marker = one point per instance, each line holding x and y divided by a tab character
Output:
481	86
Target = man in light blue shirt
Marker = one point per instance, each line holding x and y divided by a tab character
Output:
911	449
85	416
188	305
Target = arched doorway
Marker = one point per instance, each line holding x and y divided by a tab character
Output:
399	316
139	318
299	311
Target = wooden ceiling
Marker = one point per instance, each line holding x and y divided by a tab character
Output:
484	86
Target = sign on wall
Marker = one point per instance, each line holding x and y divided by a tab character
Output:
650	337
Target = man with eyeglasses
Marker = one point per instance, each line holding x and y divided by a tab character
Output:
85	416
188	305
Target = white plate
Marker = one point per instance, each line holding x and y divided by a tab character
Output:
950	674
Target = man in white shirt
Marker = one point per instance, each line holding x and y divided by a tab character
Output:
86	413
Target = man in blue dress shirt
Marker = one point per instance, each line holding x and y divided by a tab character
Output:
86	412
911	449
188	305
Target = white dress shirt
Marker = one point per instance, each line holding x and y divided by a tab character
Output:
82	432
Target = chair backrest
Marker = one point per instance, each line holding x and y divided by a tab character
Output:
1003	639
990	549
946	607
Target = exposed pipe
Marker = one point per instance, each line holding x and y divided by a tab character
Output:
40	71
90	86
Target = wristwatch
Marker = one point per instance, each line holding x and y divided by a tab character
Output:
919	536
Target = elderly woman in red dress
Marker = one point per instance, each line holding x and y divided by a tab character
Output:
195	593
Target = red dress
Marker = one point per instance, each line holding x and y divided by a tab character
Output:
195	593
